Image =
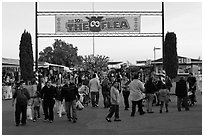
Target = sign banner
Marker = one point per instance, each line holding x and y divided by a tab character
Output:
106	23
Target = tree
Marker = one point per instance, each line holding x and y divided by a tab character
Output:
170	55
61	53
95	63
26	57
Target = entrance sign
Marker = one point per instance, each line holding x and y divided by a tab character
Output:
97	24
106	23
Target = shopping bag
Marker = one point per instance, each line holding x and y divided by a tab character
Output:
29	113
79	106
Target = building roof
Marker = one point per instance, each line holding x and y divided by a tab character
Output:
114	62
182	60
10	62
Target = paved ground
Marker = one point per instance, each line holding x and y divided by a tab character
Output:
91	121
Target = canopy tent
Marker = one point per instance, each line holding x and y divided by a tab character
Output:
46	65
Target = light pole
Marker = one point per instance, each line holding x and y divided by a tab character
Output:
155	57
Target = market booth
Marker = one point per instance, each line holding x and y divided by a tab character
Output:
10	74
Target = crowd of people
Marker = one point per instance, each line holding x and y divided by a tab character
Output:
68	92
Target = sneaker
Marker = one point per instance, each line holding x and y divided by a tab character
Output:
17	125
69	119
108	119
34	120
96	105
160	111
117	119
45	120
50	121
74	121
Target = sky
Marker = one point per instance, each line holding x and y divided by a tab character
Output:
182	18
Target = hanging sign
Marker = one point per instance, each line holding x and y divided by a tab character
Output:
108	23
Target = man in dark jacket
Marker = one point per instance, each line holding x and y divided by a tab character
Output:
48	95
70	93
150	89
22	96
181	93
106	92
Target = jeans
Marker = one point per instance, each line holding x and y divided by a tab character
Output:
139	103
185	102
49	109
106	99
126	96
114	109
36	112
71	105
94	98
21	109
150	98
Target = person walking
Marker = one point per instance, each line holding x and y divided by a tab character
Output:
94	87
181	93
59	99
150	89
48	97
114	109
192	87
40	86
136	94
164	97
106	92
70	94
21	97
36	105
125	90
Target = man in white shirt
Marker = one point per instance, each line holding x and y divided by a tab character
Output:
94	87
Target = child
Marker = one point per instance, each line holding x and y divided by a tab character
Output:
36	103
164	98
114	103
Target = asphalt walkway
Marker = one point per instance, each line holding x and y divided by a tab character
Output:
91	121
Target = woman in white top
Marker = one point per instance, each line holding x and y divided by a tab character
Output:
114	109
136	94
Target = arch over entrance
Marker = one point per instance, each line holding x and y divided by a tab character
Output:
97	24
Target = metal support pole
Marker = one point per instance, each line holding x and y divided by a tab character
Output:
163	54
93	34
36	37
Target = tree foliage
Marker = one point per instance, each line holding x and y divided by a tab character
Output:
26	57
170	55
95	63
61	53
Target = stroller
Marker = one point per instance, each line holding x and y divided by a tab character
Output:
84	95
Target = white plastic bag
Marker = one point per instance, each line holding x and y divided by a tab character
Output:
79	106
29	113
